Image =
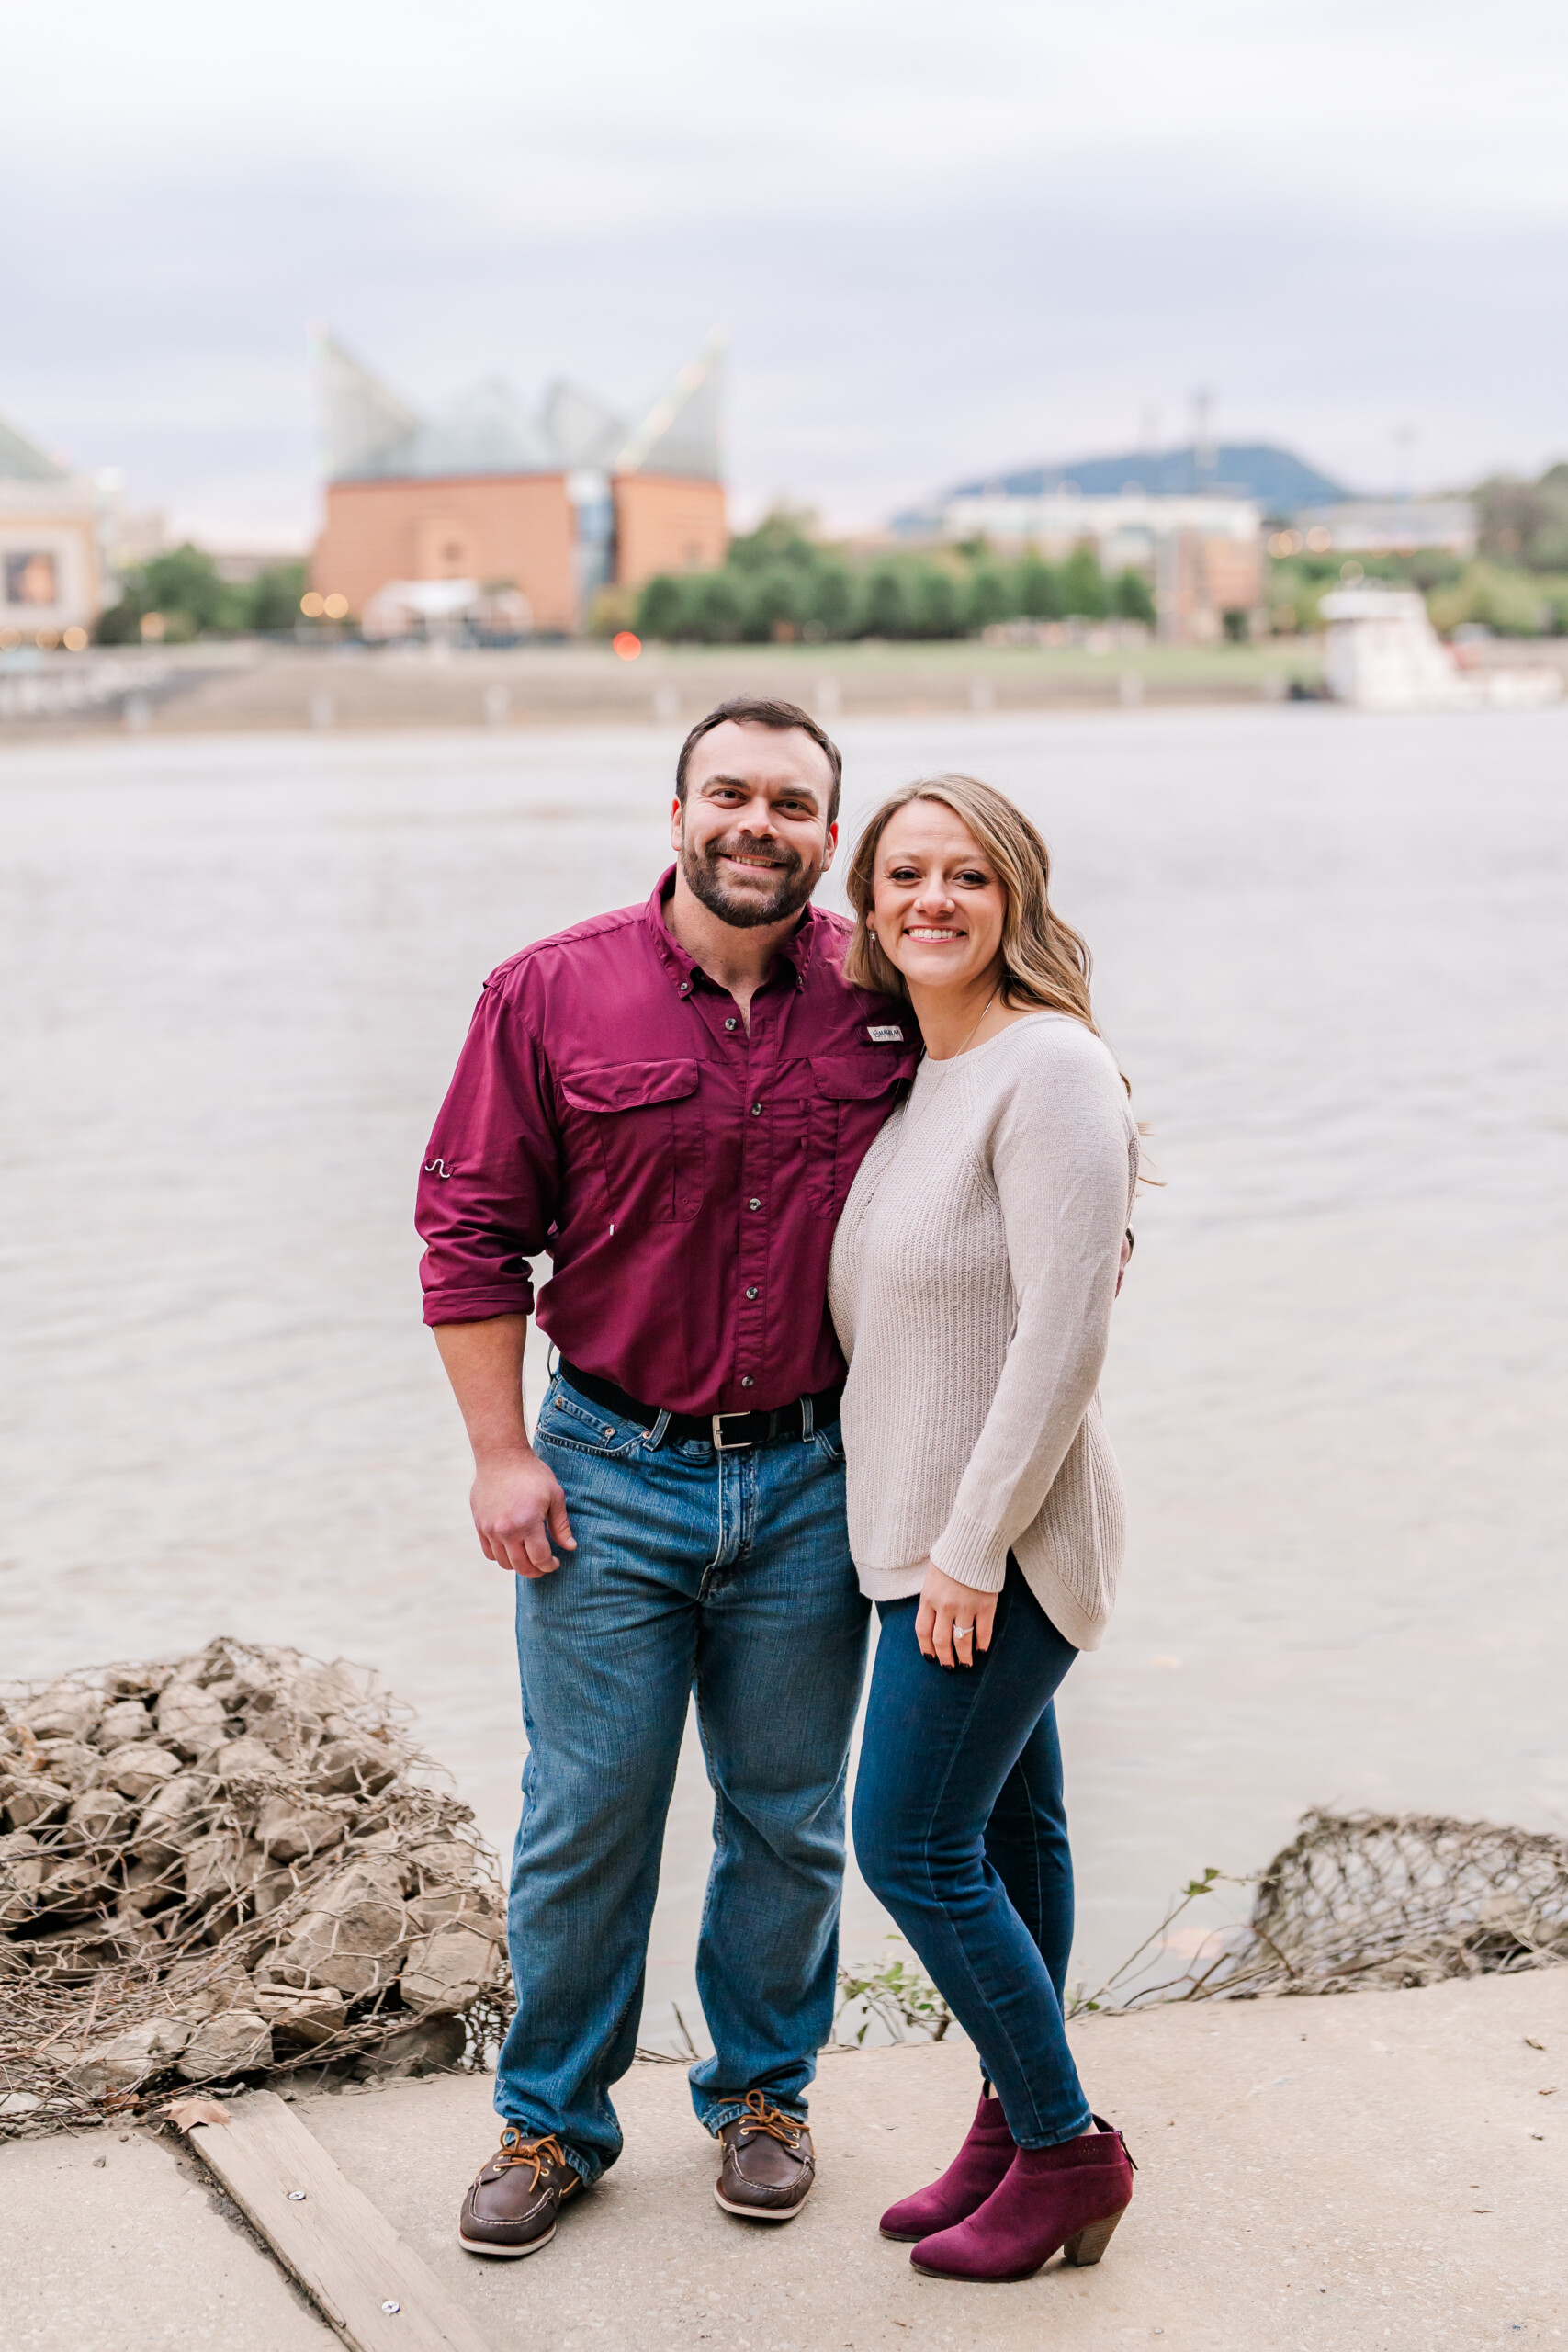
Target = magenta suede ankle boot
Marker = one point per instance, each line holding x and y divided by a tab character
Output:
979	2167
1069	2197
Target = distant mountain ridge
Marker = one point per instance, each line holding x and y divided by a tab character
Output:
1276	478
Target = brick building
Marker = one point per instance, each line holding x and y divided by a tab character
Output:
555	503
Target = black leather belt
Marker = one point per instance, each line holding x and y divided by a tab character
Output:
724	1431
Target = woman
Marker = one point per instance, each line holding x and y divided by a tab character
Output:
971	1284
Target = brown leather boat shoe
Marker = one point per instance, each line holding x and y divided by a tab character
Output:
768	2164
510	2209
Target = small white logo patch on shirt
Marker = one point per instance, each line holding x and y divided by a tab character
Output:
889	1034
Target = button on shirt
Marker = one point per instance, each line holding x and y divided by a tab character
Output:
683	1172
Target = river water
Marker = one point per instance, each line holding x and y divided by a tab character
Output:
1331	952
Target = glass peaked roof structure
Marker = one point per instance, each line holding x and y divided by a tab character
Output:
23	460
370	435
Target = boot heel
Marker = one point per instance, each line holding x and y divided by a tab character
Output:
1091	2241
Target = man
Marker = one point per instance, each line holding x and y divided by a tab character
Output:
672	1100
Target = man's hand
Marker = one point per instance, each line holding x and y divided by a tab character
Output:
520	1513
945	1606
519	1508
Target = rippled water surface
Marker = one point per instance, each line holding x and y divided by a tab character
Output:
1331	954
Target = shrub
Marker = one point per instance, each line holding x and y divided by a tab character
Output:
121	623
186	581
831	599
661	608
1083	593
1037	590
937	607
717	612
1431	568
1523	522
272	600
886	606
778	597
1294	591
988	599
1512	603
1132	598
778	538
184	587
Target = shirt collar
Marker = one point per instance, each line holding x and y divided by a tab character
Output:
796	950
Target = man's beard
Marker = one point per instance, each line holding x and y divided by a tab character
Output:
705	880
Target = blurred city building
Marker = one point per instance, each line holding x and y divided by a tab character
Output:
57	543
550	505
1202	557
1383	527
1189	519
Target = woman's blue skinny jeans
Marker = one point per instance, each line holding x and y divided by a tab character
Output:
960	1831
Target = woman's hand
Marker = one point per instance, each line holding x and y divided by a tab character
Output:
953	1623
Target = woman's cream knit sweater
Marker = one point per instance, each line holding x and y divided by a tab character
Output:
972	1283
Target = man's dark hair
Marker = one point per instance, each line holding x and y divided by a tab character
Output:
753	710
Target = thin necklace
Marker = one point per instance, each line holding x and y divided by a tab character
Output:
912	1108
964	1048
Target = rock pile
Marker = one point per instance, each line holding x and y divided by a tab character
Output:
235	1864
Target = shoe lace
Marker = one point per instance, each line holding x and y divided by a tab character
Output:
762	2116
515	2149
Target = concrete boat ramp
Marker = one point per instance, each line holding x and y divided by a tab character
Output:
1385	2172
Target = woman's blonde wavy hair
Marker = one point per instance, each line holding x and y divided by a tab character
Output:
1044	962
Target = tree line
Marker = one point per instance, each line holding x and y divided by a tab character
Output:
183	586
775	582
1509	598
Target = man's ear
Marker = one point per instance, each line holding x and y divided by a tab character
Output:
832	845
677	816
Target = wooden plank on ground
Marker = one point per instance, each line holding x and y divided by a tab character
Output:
368	2282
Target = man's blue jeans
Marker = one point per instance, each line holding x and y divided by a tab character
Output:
725	1573
960	1831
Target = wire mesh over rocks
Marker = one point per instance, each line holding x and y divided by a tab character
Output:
1404	1899
237	1864
1360	1901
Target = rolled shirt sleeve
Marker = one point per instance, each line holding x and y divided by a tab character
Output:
673	1172
490	1180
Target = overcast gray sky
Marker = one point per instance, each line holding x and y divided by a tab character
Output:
946	239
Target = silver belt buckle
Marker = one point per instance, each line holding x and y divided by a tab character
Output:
739	1444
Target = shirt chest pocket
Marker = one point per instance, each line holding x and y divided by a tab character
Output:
643	1121
851	1094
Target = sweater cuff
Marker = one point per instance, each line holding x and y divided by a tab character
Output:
971	1554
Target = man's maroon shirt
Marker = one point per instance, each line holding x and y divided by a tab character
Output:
684	1174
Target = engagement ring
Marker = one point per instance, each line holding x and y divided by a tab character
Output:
961	1632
